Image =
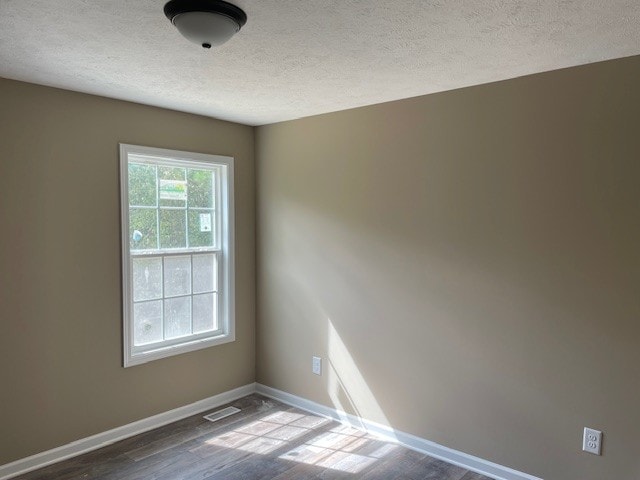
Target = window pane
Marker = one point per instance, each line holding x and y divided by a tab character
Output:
177	276
143	233
200	188
147	278
205	313
172	189
147	322
205	271
202	228
177	317
172	229
142	185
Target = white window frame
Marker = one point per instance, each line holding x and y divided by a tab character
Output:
135	355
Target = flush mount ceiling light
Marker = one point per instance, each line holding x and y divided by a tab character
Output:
205	22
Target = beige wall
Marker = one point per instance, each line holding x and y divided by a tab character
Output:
467	265
61	375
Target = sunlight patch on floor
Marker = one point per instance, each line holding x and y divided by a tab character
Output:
343	448
269	433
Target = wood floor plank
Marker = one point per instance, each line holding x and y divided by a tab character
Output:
432	469
265	441
190	428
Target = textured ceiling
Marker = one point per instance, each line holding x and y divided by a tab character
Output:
296	58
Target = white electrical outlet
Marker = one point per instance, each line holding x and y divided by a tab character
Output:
316	365
592	441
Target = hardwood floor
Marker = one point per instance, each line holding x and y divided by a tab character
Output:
266	440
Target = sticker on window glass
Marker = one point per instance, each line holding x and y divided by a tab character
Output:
205	222
173	190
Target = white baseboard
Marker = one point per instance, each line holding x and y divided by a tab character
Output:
433	449
100	440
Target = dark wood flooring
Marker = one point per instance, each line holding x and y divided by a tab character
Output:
267	440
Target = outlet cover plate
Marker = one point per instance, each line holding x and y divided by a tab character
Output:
592	441
316	365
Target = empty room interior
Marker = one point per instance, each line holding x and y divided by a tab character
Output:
410	232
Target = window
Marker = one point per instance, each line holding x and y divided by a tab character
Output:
177	252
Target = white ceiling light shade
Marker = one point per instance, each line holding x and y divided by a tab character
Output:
205	22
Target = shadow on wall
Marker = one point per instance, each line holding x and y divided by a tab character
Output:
346	386
403	330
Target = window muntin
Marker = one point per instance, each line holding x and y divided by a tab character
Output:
177	225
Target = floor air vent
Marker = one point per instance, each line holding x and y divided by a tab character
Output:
220	414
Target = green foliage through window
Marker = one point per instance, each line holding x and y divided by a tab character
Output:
171	207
